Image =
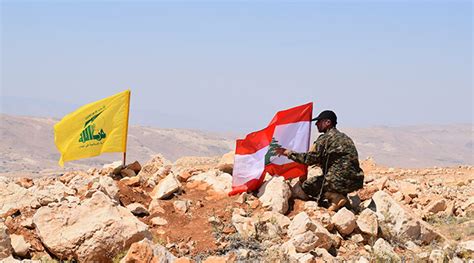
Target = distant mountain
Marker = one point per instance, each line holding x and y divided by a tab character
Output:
27	145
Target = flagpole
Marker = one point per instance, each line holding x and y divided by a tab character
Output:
126	131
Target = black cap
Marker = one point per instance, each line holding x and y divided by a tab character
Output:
327	114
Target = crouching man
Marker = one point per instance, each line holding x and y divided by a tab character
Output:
337	156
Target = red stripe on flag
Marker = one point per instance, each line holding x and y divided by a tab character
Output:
299	113
289	170
249	186
254	141
257	140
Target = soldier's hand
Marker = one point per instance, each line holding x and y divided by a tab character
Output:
280	151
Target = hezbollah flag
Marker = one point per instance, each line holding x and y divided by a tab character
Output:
255	155
94	128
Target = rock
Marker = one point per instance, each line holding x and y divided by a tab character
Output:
345	221
466	248
146	251
219	181
155	207
244	225
181	206
410	245
436	206
165	187
399	221
131	181
363	260
107	186
27	223
300	224
274	195
321	215
152	167
367	222
304	242
184	176
324	255
137	209
469	204
183	260
437	256
281	220
135	166
357	238
226	164
95	230
25	182
384	252
20	246
242	199
50	193
215	259
408	189
13	196
5	242
158	221
127	173
139	252
78	181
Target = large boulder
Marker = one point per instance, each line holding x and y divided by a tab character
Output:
274	195
50	193
301	224
396	220
367	222
219	181
14	196
226	164
5	242
95	230
345	221
166	187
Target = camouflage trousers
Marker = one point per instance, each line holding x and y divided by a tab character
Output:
316	186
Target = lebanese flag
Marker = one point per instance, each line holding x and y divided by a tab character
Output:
255	155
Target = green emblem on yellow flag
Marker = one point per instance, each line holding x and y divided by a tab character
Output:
94	128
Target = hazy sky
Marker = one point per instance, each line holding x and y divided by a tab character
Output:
229	66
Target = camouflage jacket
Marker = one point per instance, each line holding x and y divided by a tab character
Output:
337	156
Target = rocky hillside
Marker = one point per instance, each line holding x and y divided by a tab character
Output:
27	145
180	212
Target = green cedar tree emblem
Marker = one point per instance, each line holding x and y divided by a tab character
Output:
271	150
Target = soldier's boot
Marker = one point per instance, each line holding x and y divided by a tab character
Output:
336	200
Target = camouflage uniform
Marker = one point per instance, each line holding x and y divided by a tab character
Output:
336	154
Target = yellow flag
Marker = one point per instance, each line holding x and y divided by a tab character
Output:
94	128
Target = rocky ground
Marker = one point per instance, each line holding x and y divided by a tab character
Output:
180	212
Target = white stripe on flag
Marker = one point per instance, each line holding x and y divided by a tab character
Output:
292	136
248	166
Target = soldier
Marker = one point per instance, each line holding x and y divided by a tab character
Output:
337	156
